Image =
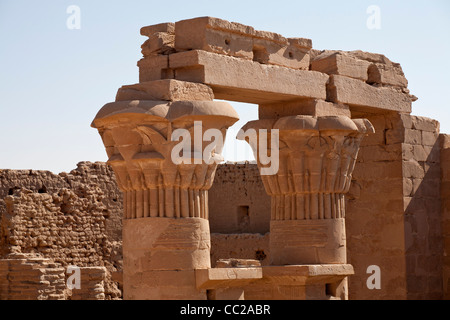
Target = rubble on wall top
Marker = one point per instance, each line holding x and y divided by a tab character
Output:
242	64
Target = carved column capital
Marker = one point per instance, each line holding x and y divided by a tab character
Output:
138	136
312	161
315	164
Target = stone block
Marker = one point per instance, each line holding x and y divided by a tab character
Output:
413	137
159	43
394	136
226	294
153	68
387	74
412	169
407	187
369	56
165	244
161	27
407	121
299	242
167	90
433	154
425	124
215	35
247	81
162	285
289	55
392	152
430	138
445	141
378	138
426	188
237	40
340	64
378	170
362	96
315	108
226	277
419	153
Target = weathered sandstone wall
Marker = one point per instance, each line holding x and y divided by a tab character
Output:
393	210
445	205
67	217
73	219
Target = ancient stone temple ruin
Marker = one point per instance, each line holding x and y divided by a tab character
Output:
345	179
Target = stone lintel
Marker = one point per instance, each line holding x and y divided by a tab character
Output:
246	81
310	107
226	277
307	274
167	90
361	96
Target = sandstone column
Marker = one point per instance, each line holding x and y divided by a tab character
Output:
307	181
316	159
166	231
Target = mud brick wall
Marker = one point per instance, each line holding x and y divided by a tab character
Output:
73	219
30	277
238	202
239	214
86	175
240	246
92	284
393	210
445	205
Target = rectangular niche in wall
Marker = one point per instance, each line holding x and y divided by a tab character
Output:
243	218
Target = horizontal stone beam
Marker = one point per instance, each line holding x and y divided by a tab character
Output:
308	274
361	96
226	277
340	64
168	90
243	80
315	108
237	40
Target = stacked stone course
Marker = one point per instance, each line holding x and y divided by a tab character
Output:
91	285
186	66
361	181
399	166
31	277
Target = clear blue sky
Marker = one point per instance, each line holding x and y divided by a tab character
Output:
54	80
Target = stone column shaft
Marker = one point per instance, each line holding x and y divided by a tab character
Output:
166	234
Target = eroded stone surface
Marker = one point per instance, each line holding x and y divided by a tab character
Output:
395	187
72	218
